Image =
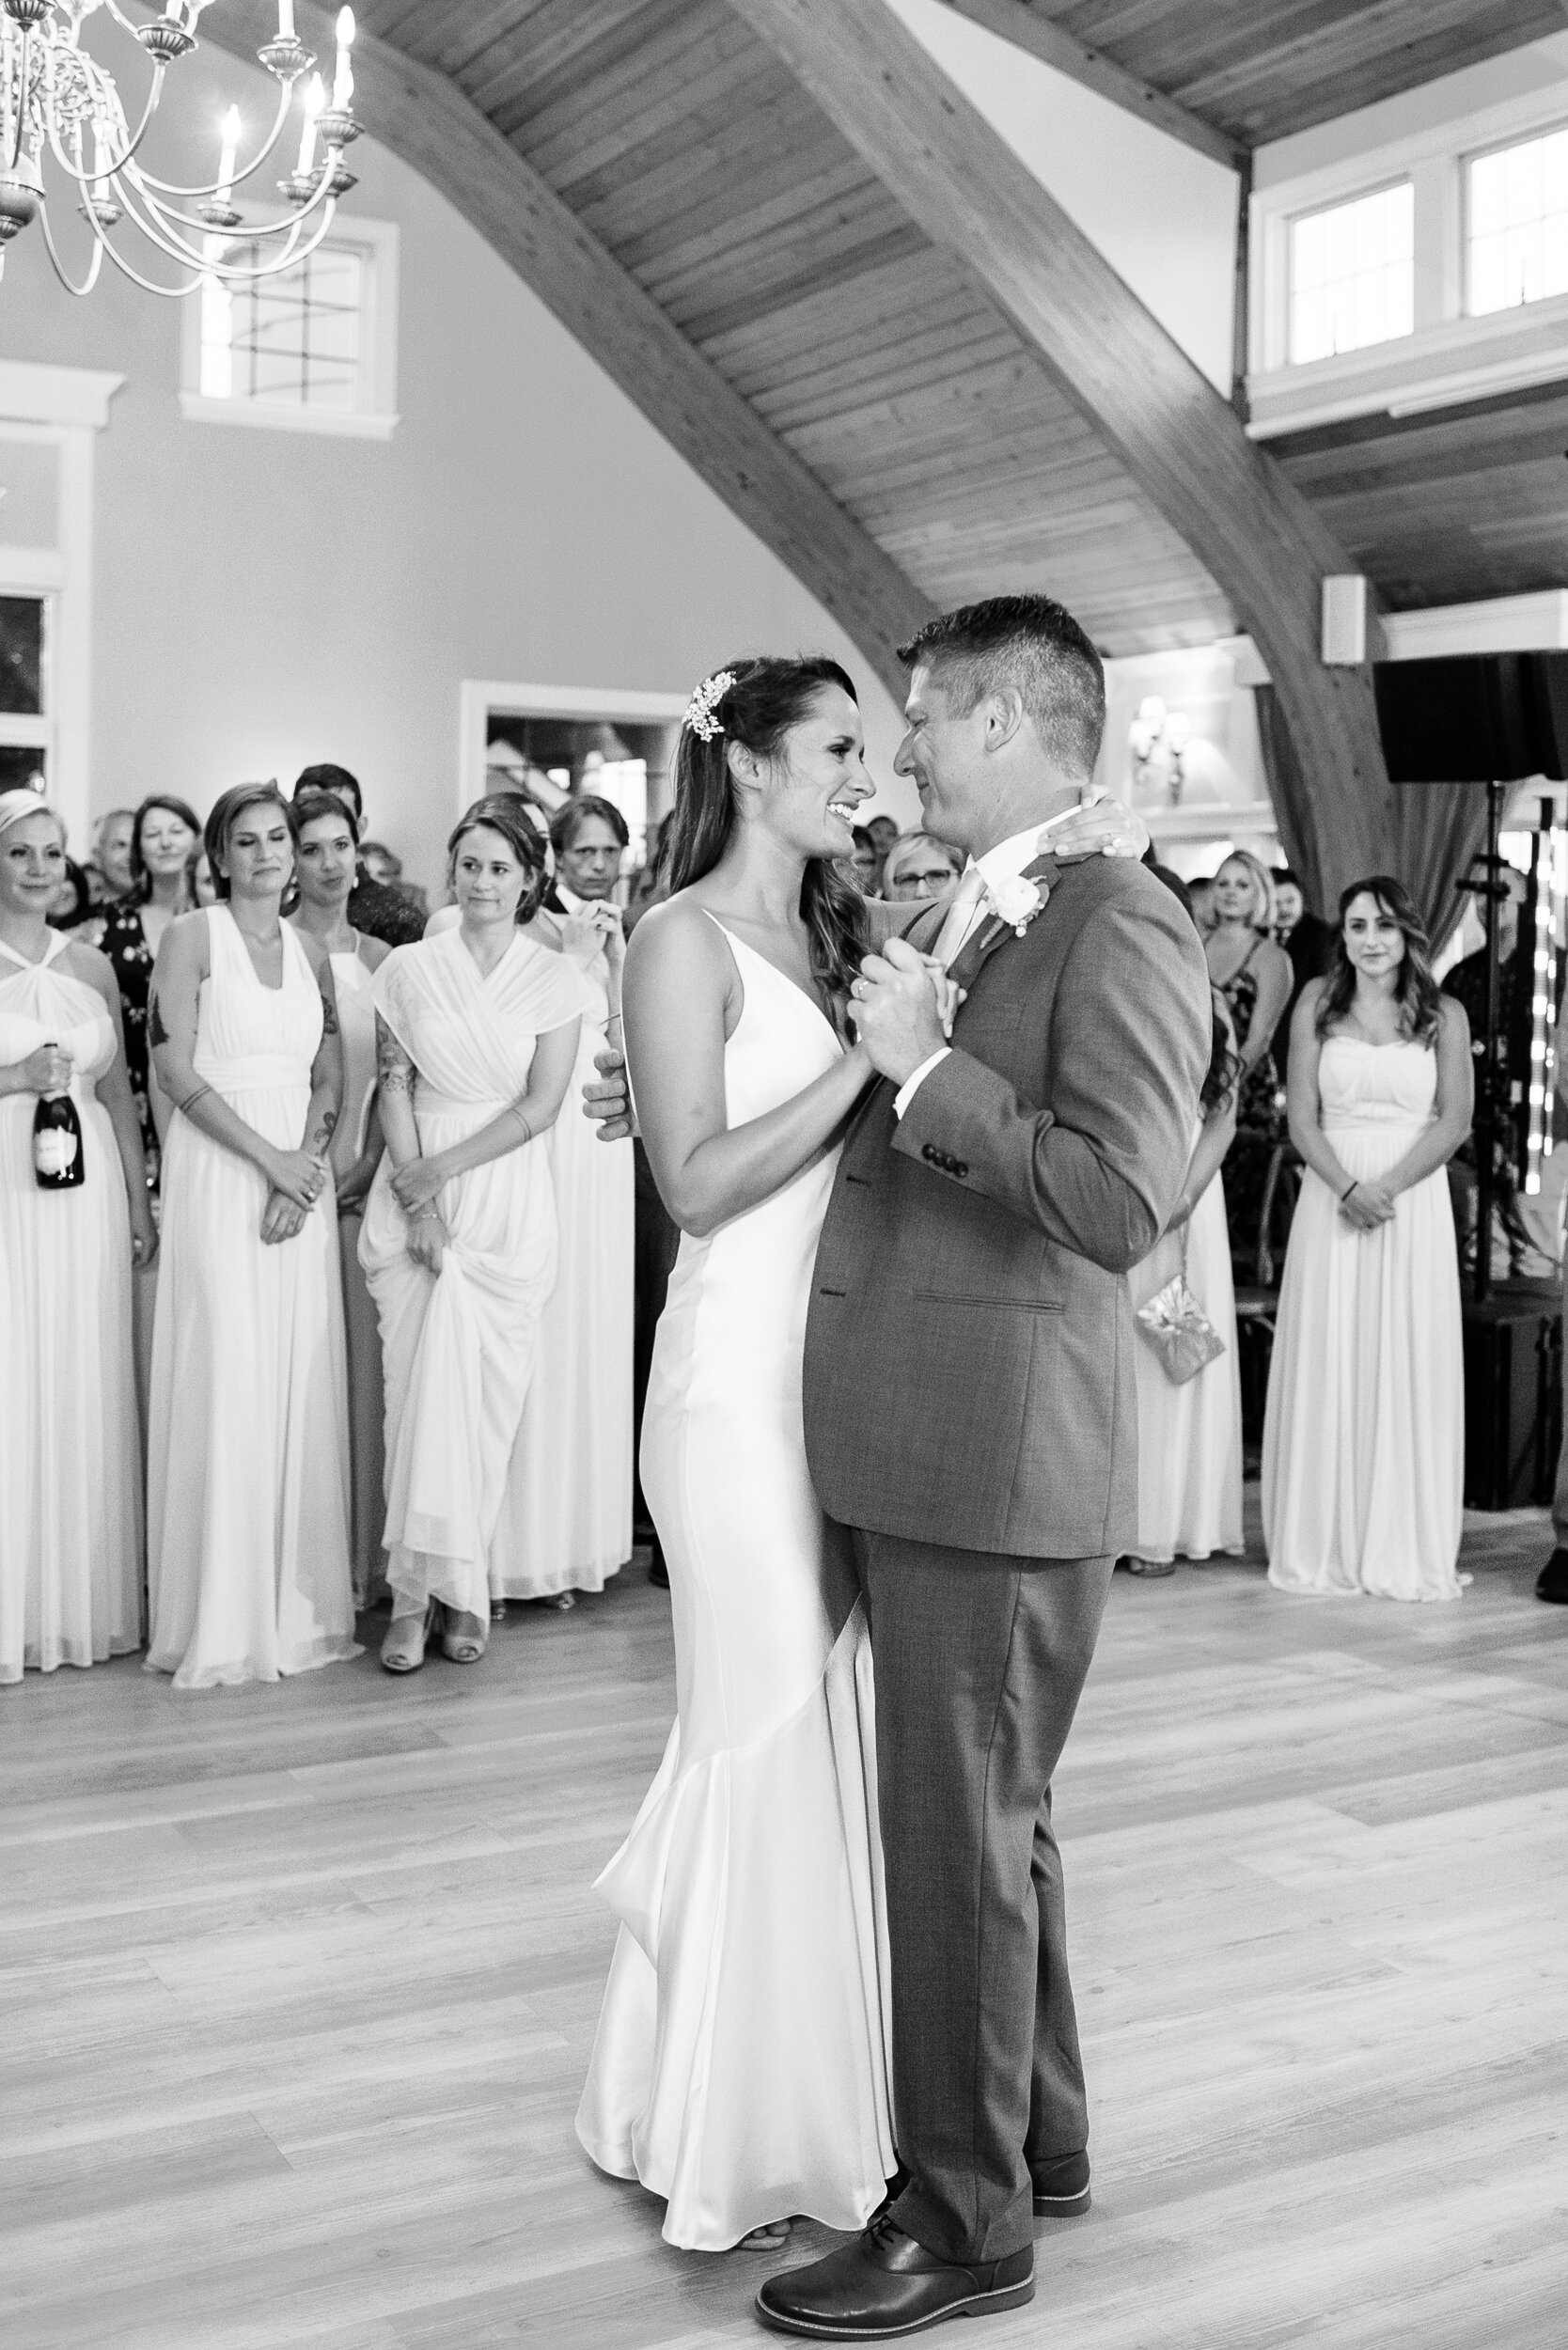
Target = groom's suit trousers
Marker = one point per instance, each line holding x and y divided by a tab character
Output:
979	1660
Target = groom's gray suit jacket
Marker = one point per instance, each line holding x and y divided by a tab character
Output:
968	1372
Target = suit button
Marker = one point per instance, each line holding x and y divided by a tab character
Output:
961	1167
929	1152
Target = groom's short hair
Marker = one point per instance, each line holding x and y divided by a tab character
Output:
1034	645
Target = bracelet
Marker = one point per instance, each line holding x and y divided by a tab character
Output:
1348	1189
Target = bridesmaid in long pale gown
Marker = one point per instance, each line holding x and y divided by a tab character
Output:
1189	1436
476	1037
1364	1432
70	1501
565	1523
249	1441
329	841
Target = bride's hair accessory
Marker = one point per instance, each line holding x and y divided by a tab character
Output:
701	711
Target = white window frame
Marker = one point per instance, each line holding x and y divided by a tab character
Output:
1449	357
1312	211
1480	154
375	419
66	408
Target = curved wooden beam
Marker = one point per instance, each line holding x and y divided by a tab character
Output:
1181	441
1016	22
425	120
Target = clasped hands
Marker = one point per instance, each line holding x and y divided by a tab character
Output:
297	1179
902	1007
1367	1205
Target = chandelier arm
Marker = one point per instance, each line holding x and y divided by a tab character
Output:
173	218
153	225
168	187
82	290
119	163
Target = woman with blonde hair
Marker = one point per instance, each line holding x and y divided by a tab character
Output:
1254	977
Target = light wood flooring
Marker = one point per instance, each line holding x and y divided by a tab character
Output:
297	1984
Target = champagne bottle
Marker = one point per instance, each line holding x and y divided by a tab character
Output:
57	1143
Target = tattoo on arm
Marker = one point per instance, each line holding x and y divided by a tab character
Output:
156	1032
198	1093
394	1070
329	1015
323	1135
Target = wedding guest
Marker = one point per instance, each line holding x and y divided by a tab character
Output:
1200	897
566	1521
651	882
71	1511
1189	1435
380	865
476	1037
919	869
164	834
1254	977
376	908
111	851
1310	945
867	862
884	832
198	877
248	1442
72	903
328	842
1364	1432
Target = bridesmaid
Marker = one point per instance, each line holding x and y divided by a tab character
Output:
71	1515
248	1450
328	855
1189	1437
566	1523
1364	1432
476	1038
1255	978
164	833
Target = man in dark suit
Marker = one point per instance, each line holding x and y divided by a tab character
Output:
970	1420
1310	945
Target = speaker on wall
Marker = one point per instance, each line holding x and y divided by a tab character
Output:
1496	717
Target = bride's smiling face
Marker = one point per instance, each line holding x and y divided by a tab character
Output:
808	794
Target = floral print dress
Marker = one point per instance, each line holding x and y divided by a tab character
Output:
124	941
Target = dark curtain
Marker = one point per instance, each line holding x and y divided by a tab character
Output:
1438	828
1435	829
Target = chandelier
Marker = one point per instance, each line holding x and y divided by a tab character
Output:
54	95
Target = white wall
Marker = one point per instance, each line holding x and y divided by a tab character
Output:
262	599
1163	215
1519	73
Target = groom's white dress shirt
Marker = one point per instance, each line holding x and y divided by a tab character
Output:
1006	862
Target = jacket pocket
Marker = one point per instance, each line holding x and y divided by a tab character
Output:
1007	1305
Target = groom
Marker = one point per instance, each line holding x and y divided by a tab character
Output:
971	1420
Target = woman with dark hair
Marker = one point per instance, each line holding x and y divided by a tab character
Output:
164	833
328	843
475	1038
1189	1435
566	1522
1364	1432
70	1508
249	1441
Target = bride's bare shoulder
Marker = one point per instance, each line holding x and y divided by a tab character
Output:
674	938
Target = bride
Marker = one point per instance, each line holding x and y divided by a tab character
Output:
740	2064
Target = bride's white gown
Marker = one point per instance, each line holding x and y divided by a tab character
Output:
740	2068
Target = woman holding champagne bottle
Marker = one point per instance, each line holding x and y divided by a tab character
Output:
73	1216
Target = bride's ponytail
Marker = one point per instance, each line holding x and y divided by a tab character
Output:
756	702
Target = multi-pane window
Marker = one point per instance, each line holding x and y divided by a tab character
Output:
1353	274
293	340
1517	224
25	725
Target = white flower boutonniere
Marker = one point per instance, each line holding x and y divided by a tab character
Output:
1017	900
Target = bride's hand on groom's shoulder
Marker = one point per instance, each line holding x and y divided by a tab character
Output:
1103	827
608	1104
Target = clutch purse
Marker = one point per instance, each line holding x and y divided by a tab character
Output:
1178	1329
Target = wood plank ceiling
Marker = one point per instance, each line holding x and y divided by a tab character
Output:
695	158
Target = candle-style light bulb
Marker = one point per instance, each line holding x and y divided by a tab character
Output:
286	19
342	88
315	100
228	151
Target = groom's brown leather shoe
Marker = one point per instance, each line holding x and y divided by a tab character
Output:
884	2284
1060	2187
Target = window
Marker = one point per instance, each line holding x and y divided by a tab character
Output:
312	350
25	726
1353	274
1517	224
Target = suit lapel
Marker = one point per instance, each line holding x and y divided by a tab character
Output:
984	942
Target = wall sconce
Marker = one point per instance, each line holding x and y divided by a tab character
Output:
1157	738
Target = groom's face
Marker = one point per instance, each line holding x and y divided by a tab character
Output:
945	753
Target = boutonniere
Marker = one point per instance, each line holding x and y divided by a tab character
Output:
1017	900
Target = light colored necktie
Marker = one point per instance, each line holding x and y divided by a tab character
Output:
960	921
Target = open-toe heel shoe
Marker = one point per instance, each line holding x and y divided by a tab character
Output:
464	1638
402	1650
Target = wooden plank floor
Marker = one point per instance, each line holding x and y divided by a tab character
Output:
298	1984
